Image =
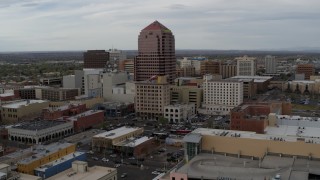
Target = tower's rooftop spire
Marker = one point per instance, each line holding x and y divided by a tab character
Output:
156	26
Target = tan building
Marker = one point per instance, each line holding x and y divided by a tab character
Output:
19	110
302	87
59	94
209	67
186	71
186	94
246	66
108	140
81	171
89	102
228	70
306	69
151	97
127	65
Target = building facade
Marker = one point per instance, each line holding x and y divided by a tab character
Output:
87	120
228	70
246	66
209	67
156	53
270	64
151	97
306	69
178	113
186	94
95	59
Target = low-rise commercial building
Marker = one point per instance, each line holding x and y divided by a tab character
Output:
43	155
261	83
178	113
87	120
59	94
35	132
52	168
116	109
19	110
108	140
52	113
136	147
7	97
81	170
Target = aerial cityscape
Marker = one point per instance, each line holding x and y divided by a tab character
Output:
213	90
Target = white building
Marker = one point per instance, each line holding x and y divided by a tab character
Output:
246	66
270	64
92	81
69	81
116	55
219	97
179	112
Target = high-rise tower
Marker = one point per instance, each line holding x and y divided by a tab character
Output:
156	55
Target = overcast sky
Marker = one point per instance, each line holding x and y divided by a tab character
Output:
36	25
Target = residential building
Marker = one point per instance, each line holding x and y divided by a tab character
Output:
87	120
35	132
44	154
210	67
19	110
108	140
228	70
306	69
220	97
179	113
156	53
270	64
95	59
151	97
246	66
81	170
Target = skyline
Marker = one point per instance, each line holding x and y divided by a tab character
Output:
54	25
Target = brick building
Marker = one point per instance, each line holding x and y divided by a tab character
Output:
7	97
52	113
306	69
87	120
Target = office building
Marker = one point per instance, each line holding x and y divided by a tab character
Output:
151	97
220	97
156	53
261	83
209	67
228	70
81	170
127	65
246	66
306	69
116	55
95	59
270	64
35	132
116	109
58	94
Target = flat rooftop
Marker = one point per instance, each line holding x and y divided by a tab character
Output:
6	94
84	114
252	135
37	125
41	151
18	104
117	132
212	166
64	107
134	142
44	167
93	173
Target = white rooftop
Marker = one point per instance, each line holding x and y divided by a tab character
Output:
137	142
6	94
252	77
117	132
86	113
18	104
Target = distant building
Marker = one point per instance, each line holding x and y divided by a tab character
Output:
95	59
270	64
51	81
81	170
7	97
19	110
25	93
151	97
115	56
261	83
306	69
179	113
210	67
127	65
156	56
246	66
58	94
228	70
35	132
116	109
186	71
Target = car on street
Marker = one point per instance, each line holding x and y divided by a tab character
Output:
95	158
156	172
123	175
117	165
105	160
113	155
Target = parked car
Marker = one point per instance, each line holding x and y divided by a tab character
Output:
105	160
113	155
117	165
156	172
123	175
95	158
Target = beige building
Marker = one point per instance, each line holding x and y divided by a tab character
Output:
186	94
303	87
246	66
179	112
109	139
228	70
81	171
89	102
151	97
19	110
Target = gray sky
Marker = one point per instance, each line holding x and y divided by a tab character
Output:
35	25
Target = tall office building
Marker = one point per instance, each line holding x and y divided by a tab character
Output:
94	59
270	64
156	55
246	66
